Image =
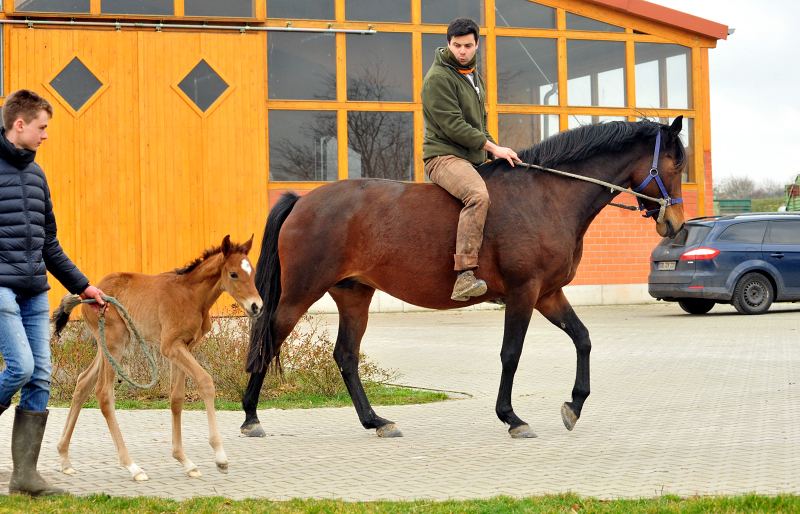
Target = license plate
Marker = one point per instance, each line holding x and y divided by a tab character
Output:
666	266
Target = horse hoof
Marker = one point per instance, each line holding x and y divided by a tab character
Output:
568	417
222	468
389	430
141	477
195	473
522	432
254	430
68	471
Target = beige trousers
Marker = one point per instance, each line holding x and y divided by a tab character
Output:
459	178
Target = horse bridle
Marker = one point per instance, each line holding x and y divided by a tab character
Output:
654	175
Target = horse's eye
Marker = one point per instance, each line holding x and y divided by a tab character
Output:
233	274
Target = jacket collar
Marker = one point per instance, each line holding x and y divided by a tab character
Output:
17	157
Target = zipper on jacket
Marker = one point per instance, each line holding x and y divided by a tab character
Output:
28	236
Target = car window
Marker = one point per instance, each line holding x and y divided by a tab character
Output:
784	233
751	232
690	235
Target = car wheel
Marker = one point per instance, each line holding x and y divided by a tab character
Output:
696	305
753	294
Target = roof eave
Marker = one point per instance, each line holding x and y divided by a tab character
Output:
669	16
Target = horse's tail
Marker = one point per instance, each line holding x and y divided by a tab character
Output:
61	314
263	350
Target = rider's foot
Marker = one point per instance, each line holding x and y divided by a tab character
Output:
467	286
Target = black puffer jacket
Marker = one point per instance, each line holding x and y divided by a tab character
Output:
28	244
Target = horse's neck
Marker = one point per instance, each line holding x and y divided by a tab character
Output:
204	282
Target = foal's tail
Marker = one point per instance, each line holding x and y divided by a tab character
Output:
263	350
61	314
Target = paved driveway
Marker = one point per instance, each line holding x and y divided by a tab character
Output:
680	404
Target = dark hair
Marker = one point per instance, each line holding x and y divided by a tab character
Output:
461	27
24	104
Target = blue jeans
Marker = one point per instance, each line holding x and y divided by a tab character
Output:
25	346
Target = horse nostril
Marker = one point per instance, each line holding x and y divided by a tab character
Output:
254	308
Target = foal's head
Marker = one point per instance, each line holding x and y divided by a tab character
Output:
238	276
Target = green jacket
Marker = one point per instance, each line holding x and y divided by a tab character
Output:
454	113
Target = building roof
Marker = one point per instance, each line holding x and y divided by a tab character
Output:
669	16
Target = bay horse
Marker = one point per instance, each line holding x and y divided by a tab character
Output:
351	237
170	309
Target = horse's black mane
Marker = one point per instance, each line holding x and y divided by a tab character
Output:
584	142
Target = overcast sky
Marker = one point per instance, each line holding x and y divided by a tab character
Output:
755	87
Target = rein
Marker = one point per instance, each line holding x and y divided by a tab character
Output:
663	202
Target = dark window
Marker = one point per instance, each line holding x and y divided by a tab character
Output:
527	71
203	85
752	232
380	145
444	11
303	146
76	6
222	8
302	65
524	14
152	7
379	67
430	42
689	236
392	11
577	22
76	84
301	9
784	233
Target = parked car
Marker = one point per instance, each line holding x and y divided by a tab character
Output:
748	260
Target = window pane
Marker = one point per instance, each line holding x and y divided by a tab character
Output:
303	146
525	14
752	232
596	73
380	145
394	11
527	71
226	8
430	42
153	7
663	76
379	67
302	65
445	11
301	9
576	120
77	6
784	233
76	84
576	22
521	131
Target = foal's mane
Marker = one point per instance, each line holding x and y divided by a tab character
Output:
582	143
209	252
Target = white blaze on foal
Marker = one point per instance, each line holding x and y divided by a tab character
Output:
246	266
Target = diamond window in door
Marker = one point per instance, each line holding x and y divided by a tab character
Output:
76	86
203	88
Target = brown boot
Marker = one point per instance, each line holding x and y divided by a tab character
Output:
26	441
467	286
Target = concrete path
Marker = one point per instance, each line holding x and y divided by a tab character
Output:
680	404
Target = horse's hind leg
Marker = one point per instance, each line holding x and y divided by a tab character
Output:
177	394
83	388
559	312
353	305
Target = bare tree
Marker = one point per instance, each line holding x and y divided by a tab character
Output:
745	188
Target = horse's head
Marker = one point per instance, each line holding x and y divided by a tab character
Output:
666	171
238	276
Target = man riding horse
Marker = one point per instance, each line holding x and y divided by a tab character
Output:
457	141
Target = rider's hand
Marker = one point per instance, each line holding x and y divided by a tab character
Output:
501	152
95	293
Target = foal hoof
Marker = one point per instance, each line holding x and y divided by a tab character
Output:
389	430
195	473
141	477
222	468
253	430
568	417
522	432
68	471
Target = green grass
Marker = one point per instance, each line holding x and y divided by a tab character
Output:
378	395
565	503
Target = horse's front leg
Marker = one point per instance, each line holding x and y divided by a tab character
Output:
559	312
519	307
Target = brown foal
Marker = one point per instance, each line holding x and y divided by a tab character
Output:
170	309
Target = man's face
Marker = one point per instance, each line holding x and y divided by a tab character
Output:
463	47
30	135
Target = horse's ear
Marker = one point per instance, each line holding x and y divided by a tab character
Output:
226	245
245	248
675	128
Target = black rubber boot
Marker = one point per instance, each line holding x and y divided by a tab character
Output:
26	441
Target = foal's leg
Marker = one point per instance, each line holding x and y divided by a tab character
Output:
519	307
353	308
178	353
177	394
83	388
558	311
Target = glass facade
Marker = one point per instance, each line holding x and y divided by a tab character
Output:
222	8
146	7
302	9
380	145
442	12
596	73
520	131
391	11
379	68
303	146
663	76
65	6
527	71
301	65
524	14
577	22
